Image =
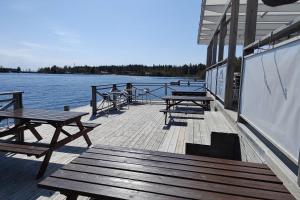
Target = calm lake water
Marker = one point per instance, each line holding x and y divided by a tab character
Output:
53	91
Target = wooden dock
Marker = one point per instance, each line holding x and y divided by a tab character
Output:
140	126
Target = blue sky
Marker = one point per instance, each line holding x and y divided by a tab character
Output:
37	33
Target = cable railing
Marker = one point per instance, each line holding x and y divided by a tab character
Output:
106	96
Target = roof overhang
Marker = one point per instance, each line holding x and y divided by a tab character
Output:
268	18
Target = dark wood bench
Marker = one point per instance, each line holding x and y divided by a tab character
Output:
183	111
29	149
85	124
223	145
188	93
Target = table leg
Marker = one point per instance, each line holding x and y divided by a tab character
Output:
48	155
20	134
166	113
33	131
85	135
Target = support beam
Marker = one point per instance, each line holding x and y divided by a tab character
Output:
215	49
209	55
222	36
231	53
250	25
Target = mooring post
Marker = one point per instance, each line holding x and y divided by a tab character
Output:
18	104
94	100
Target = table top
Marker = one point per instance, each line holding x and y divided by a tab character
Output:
42	115
187	98
123	173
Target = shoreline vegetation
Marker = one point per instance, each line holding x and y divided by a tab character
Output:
190	70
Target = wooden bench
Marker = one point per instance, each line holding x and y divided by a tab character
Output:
85	124
23	148
188	93
182	111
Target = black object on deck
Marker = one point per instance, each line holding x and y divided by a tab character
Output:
223	145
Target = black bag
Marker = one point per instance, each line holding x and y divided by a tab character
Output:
274	3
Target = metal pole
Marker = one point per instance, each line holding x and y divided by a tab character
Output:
114	88
94	100
18	104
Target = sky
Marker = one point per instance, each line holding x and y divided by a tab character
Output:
37	33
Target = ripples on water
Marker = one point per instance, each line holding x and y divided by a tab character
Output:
53	91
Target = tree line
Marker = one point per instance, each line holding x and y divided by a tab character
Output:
7	70
144	70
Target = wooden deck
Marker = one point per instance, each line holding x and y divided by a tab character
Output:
140	126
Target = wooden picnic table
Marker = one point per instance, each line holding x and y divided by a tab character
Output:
29	118
174	100
107	172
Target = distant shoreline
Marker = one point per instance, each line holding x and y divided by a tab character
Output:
145	75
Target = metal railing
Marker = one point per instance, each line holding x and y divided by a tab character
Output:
141	92
10	101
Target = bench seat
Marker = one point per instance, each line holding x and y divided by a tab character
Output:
23	148
86	125
184	111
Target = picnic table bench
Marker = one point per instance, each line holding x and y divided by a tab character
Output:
105	172
188	93
30	119
172	101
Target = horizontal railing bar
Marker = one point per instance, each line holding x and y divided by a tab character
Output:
217	64
275	35
10	93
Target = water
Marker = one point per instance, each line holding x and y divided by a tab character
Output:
53	91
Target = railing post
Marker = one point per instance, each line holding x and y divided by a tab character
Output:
94	100
166	89
114	88
18	104
129	91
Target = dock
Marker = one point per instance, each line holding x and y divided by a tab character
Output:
141	127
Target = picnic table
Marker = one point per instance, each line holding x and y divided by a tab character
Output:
30	118
107	172
174	100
